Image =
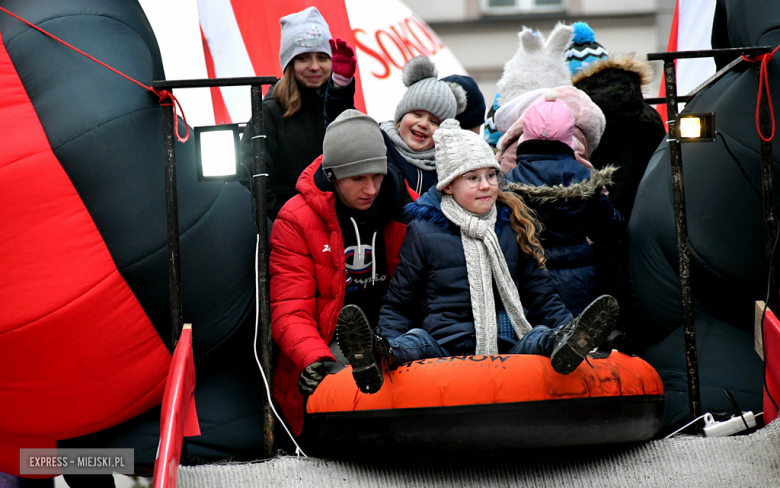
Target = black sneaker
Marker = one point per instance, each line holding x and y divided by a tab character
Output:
576	339
355	339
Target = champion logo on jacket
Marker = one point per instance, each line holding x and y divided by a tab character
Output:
359	261
362	258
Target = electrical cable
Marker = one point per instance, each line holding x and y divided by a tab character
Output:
686	425
737	410
298	451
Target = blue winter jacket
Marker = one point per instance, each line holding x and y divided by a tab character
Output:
568	200
430	288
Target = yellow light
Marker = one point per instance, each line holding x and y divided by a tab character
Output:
690	127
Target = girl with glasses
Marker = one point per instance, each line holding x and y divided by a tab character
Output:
471	278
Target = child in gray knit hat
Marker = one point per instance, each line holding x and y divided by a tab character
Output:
409	136
467	238
427	102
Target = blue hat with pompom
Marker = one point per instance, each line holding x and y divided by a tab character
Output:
584	49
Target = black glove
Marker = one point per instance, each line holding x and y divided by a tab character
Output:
314	373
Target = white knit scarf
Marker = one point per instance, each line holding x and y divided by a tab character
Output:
425	160
484	262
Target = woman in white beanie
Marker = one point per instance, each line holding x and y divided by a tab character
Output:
293	109
466	239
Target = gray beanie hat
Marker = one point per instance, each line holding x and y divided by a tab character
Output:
353	146
459	151
303	32
443	99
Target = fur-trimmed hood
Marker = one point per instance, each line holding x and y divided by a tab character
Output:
615	85
583	190
626	62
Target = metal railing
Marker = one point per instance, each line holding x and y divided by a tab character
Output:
675	152
261	222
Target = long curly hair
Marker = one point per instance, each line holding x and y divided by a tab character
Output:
524	222
286	92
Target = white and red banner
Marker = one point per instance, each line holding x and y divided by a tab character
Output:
241	38
230	38
387	35
691	31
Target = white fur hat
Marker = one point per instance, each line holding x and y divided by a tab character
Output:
538	63
459	151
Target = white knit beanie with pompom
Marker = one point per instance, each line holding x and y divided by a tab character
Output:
459	151
444	99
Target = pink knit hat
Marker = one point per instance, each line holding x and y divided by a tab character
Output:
549	120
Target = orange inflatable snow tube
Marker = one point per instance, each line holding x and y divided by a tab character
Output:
488	402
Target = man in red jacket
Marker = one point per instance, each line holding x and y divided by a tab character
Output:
336	243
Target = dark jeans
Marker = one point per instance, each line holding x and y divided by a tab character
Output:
417	344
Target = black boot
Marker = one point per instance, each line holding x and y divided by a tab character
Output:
573	341
617	341
365	350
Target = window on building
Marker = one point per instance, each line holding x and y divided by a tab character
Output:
521	5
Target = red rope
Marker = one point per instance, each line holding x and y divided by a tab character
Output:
162	94
763	79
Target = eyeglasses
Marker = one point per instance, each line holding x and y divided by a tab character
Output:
493	178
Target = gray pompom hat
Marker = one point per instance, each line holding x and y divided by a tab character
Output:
443	99
459	151
353	146
303	32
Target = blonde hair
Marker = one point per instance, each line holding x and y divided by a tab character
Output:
286	92
525	224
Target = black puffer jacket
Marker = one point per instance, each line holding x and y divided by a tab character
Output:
291	143
634	129
430	287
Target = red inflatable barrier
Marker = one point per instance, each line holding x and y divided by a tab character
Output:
772	358
79	353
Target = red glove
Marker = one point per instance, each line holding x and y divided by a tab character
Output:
344	61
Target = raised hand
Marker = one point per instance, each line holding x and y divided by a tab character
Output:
344	62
